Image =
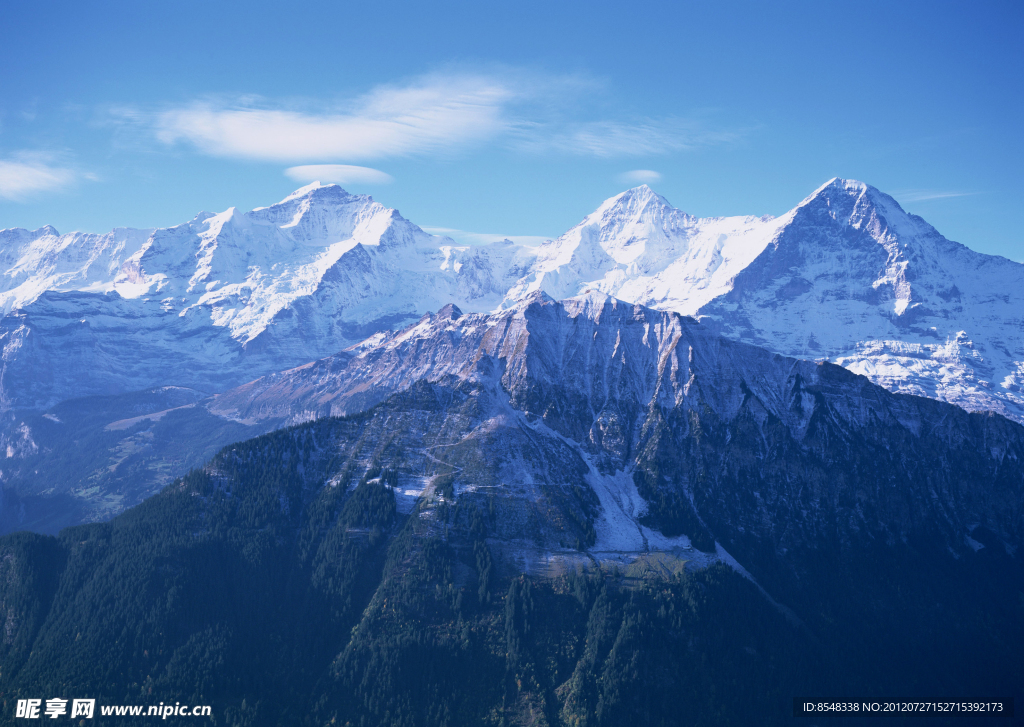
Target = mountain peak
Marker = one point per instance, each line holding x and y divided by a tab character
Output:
308	190
634	201
318	211
450	312
591	303
633	222
851	189
639	204
641	190
313	192
837	188
859	204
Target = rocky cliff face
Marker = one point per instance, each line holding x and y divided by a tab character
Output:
687	438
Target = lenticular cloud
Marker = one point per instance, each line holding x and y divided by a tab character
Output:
338	174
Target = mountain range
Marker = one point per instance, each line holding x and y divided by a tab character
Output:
311	465
130	357
846	275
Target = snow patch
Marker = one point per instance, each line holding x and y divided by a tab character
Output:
407	495
621	506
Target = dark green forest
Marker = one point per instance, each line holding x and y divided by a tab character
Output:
281	585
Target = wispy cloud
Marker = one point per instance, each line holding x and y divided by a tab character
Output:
646	137
922	195
640	176
27	173
434	114
484	238
438	113
338	173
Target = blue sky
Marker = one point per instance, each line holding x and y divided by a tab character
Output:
510	119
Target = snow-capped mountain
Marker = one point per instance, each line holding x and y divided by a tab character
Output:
637	247
846	275
224	298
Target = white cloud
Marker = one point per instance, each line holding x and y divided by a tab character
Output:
439	113
338	173
640	176
27	174
483	238
436	114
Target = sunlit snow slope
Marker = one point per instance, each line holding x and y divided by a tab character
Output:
226	297
846	275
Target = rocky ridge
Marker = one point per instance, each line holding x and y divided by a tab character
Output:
674	427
